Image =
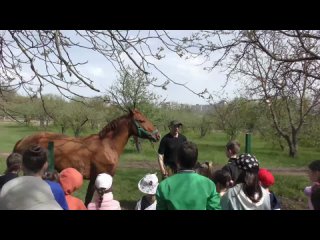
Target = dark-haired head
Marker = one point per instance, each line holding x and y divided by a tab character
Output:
223	178
51	176
314	171
233	147
14	162
34	159
314	165
187	155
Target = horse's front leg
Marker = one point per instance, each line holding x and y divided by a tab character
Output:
90	189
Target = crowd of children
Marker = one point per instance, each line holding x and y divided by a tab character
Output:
239	185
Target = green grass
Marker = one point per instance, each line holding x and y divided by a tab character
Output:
10	134
290	190
291	186
211	148
2	165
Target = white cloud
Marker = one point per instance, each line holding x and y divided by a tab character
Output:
197	79
179	70
96	71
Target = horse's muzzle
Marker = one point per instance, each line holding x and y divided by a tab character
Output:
155	137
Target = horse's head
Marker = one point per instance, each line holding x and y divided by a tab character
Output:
143	127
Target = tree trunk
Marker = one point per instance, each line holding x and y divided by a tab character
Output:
281	145
138	146
137	143
280	142
77	132
41	122
203	131
292	150
27	120
63	129
293	146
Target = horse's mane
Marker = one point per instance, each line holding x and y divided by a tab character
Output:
110	126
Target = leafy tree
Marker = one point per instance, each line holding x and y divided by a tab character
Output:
131	91
97	110
61	114
205	124
277	67
33	59
310	135
78	116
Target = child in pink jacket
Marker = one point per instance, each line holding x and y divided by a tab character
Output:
103	197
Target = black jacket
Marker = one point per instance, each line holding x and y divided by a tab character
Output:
233	169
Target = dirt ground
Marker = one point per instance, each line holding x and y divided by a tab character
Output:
154	165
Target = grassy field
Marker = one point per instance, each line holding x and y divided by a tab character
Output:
211	148
290	191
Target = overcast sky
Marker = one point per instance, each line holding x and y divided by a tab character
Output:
177	69
180	70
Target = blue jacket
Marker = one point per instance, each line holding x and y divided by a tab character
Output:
58	194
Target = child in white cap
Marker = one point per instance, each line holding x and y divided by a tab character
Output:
103	197
148	185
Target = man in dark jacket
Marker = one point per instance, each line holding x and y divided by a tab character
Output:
168	149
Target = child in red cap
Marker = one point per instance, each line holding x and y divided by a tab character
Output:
267	180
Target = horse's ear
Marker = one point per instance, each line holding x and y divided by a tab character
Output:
132	110
131	113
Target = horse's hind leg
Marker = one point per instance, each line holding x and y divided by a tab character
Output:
90	189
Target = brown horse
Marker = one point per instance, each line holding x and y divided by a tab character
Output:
96	153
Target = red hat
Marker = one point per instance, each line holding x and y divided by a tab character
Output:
266	178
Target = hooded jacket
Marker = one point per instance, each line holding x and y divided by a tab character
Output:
236	199
27	193
108	203
71	180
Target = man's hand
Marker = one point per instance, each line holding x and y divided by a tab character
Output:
162	168
164	172
164	175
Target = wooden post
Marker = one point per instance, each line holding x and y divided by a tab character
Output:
51	156
248	143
